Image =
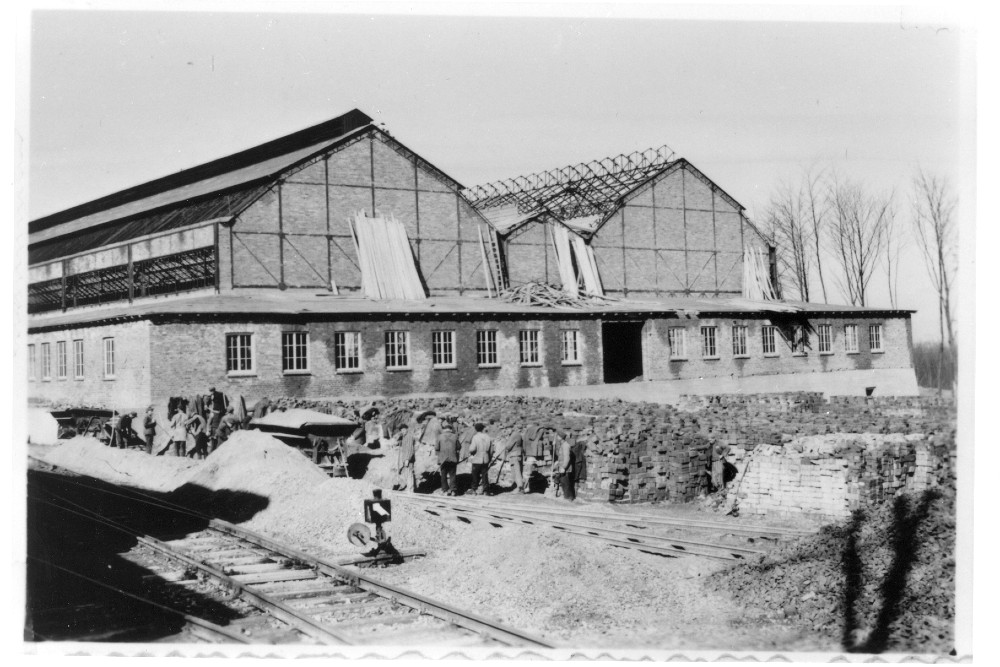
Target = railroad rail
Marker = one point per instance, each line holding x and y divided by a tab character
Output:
315	600
630	519
666	545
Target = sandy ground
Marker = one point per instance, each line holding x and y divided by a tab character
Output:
572	590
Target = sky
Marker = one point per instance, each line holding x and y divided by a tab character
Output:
118	98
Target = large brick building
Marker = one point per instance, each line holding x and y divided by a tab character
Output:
246	273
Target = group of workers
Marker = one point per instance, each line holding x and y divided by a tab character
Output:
523	450
208	419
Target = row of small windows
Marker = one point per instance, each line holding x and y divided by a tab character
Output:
62	360
798	341
347	350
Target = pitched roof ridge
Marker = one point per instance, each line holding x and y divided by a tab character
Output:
329	129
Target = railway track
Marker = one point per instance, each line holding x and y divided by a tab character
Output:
685	537
302	598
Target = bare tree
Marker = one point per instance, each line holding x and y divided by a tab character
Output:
857	234
937	237
817	212
787	224
894	244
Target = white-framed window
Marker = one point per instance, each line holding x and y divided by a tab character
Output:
677	342
78	359
851	338
46	361
294	352
397	350
570	347
32	361
239	354
109	358
875	338
347	351
824	333
486	348
739	340
528	345
443	349
709	349
61	361
769	337
798	340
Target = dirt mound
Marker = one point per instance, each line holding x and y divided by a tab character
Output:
43	429
89	456
245	475
883	581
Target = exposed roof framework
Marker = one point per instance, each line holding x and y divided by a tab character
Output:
586	189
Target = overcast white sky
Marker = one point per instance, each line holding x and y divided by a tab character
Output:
118	98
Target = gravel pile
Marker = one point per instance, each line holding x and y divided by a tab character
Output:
122	466
883	581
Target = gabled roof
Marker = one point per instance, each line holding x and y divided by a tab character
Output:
233	170
220	188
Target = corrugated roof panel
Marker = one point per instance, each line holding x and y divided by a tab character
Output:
252	173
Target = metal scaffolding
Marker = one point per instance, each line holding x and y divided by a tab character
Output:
589	188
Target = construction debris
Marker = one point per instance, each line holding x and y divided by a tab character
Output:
543	294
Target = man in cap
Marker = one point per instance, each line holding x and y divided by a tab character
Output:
149	429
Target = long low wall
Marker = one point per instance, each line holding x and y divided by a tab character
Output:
802	454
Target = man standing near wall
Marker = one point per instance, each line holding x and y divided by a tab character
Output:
564	473
149	429
407	480
532	444
515	454
480	451
217	404
447	451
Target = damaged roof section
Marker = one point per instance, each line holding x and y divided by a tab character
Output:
579	195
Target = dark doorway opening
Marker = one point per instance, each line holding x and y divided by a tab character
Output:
622	342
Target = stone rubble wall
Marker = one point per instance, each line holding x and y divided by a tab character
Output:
801	454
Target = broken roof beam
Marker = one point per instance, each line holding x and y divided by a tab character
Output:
624	168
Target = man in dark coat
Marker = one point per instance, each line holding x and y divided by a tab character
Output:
149	429
533	454
447	452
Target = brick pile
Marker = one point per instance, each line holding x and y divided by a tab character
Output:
642	452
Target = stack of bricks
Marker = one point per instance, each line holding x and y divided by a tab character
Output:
642	452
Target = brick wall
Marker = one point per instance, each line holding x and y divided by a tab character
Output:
129	389
188	358
678	235
298	235
178	358
829	476
896	333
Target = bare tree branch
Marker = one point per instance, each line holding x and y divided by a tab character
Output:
937	237
786	223
857	232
